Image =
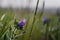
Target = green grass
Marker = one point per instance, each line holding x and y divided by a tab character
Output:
38	28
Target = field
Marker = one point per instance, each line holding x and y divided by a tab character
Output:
34	28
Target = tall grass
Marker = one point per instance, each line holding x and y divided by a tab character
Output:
34	28
33	20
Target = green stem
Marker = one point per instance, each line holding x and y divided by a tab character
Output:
42	9
58	28
33	20
47	30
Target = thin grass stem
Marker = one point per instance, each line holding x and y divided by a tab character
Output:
33	19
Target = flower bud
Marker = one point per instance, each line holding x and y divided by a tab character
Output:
21	23
45	20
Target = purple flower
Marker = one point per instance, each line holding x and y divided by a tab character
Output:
22	22
45	20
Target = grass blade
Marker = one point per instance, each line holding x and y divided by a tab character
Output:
33	19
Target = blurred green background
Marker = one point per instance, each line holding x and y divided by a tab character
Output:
38	33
